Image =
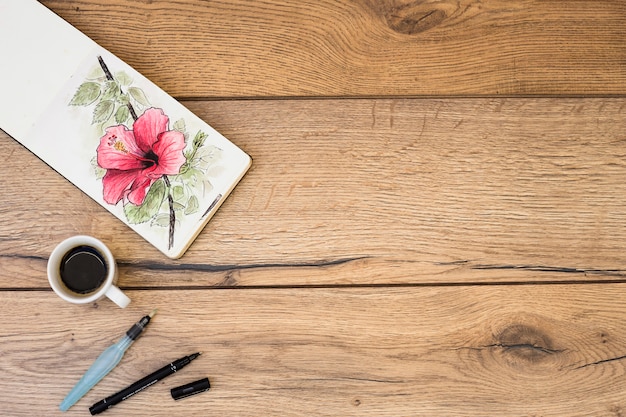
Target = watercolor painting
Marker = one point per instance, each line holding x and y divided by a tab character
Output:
145	162
121	139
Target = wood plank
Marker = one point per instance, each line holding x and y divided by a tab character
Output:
368	192
489	350
239	48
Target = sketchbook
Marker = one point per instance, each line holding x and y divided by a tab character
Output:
110	131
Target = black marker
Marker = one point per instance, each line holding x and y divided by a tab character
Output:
142	384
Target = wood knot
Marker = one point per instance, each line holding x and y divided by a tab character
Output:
525	344
415	17
229	280
416	23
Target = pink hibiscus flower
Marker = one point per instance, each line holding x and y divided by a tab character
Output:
135	159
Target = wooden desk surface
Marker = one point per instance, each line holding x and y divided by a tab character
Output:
434	223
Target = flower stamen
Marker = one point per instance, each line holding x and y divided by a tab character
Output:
119	146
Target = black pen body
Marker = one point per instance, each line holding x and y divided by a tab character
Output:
142	384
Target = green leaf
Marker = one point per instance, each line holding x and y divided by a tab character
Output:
121	115
192	205
86	94
98	171
206	186
123	99
96	73
123	78
111	90
139	96
178	192
162	220
206	156
150	207
103	111
190	175
179	125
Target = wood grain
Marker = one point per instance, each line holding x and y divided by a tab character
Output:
369	192
433	224
549	350
363	48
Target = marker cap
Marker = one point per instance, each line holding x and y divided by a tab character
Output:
192	388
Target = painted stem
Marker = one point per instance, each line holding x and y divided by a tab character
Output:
170	200
110	77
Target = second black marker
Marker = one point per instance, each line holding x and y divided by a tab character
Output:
142	384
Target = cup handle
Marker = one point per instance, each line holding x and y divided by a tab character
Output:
117	296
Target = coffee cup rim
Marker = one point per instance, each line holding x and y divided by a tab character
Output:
54	262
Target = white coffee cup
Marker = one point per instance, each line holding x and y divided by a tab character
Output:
104	285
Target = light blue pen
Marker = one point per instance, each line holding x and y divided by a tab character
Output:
105	362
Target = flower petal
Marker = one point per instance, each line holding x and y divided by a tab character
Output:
139	189
116	183
169	149
118	150
148	126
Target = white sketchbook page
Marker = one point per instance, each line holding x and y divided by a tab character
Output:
70	137
39	51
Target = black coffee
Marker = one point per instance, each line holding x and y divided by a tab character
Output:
83	269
